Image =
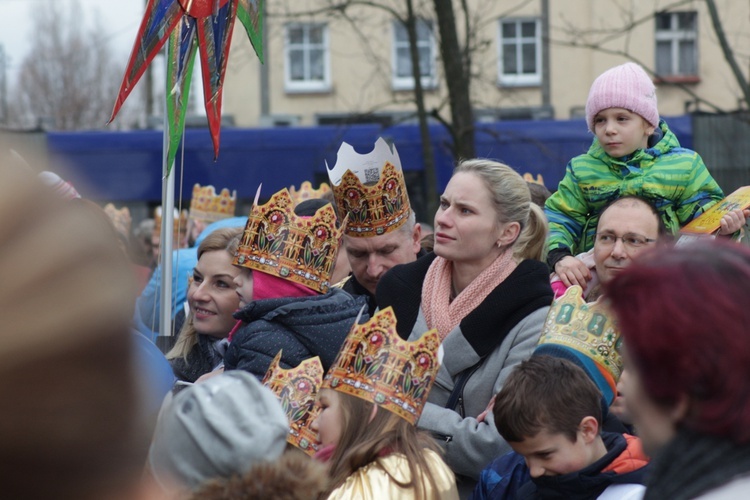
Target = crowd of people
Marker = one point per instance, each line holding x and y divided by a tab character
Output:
534	345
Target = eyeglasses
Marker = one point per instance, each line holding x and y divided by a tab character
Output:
630	240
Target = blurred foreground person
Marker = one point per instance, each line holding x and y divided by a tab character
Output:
72	424
683	315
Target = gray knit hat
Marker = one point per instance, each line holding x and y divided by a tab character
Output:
217	428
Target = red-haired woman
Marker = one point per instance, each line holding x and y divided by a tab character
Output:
684	318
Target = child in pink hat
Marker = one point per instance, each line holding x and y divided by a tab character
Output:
634	153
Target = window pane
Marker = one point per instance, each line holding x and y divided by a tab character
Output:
687	58
317	69
400	32
528	51
510	66
295	35
424	29
663	58
403	63
509	30
425	68
686	20
296	65
528	29
316	35
663	22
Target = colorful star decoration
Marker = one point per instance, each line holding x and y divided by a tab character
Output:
190	24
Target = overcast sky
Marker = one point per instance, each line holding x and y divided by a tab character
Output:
121	19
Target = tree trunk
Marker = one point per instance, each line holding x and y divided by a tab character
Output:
457	78
428	155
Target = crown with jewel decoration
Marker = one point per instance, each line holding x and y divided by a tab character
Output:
297	390
180	224
307	192
588	328
370	189
280	243
375	364
120	218
206	205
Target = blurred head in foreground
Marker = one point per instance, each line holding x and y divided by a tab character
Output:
71	425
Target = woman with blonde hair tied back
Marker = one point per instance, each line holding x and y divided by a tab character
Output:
486	291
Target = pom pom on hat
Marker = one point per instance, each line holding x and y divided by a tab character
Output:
626	86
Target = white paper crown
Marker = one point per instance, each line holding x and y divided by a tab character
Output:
370	189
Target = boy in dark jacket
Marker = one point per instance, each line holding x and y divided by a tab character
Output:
550	412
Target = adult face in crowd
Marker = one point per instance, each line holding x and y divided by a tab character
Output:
211	295
371	257
627	227
683	315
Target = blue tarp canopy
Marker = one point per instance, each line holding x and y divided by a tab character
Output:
127	166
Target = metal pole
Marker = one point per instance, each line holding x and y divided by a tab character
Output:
167	230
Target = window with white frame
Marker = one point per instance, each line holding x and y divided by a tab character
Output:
677	44
520	47
307	59
402	71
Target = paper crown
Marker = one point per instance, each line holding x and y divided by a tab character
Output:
530	178
120	218
206	205
370	188
586	328
375	364
307	192
297	390
298	249
180	224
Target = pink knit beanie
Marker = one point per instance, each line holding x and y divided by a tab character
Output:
626	86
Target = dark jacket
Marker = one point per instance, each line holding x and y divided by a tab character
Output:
591	481
355	289
201	359
502	331
303	327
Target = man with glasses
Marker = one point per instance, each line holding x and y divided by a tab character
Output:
627	227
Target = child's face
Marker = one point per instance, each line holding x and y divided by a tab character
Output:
330	420
621	132
244	286
549	454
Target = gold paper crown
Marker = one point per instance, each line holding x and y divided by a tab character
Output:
299	249
376	365
180	223
120	218
530	178
206	205
585	327
306	192
370	189
297	390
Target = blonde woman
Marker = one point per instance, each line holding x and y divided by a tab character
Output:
486	290
212	300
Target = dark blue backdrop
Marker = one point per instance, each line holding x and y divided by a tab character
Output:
126	166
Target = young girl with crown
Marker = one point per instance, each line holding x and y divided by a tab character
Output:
370	401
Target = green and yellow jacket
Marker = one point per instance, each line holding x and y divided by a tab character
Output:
673	178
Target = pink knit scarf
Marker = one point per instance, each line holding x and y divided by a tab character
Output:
439	311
